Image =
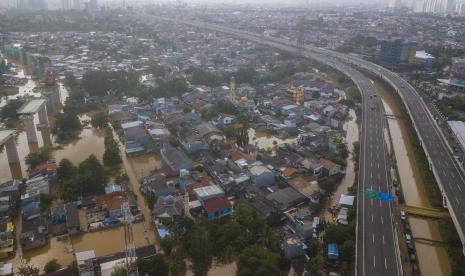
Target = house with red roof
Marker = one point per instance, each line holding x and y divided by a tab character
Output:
217	207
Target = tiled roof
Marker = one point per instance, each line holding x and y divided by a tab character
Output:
216	204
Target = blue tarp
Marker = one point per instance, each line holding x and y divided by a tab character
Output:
333	252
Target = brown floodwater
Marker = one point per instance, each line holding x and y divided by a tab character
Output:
433	260
264	141
352	136
91	142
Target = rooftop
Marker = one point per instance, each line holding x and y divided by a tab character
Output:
216	204
208	191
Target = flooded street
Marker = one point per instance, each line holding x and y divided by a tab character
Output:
433	260
352	136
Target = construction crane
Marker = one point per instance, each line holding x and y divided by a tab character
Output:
129	246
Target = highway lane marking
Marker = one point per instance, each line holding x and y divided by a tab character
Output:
458	202
382	222
373	238
385	263
458	186
378	165
372	217
383	240
374	261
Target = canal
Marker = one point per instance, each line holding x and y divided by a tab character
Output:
433	260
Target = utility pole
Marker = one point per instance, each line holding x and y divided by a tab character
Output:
129	246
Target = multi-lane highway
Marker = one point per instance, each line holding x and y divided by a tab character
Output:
447	171
377	250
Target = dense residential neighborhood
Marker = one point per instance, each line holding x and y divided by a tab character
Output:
141	142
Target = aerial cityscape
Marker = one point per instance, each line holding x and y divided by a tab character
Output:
196	137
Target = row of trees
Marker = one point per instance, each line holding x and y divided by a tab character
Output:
112	154
89	178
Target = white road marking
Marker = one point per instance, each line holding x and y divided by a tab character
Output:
374	261
382	220
385	262
372	217
373	238
383	240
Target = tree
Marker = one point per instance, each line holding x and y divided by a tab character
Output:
153	266
70	80
92	178
27	269
199	248
73	269
9	113
242	137
316	265
119	271
52	266
166	244
112	155
66	170
336	233
34	159
257	261
99	120
246	74
157	70
67	125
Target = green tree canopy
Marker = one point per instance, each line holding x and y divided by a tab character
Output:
112	155
100	119
257	261
41	156
153	266
199	248
9	113
52	266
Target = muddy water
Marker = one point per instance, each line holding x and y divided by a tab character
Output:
264	141
90	142
352	136
433	260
